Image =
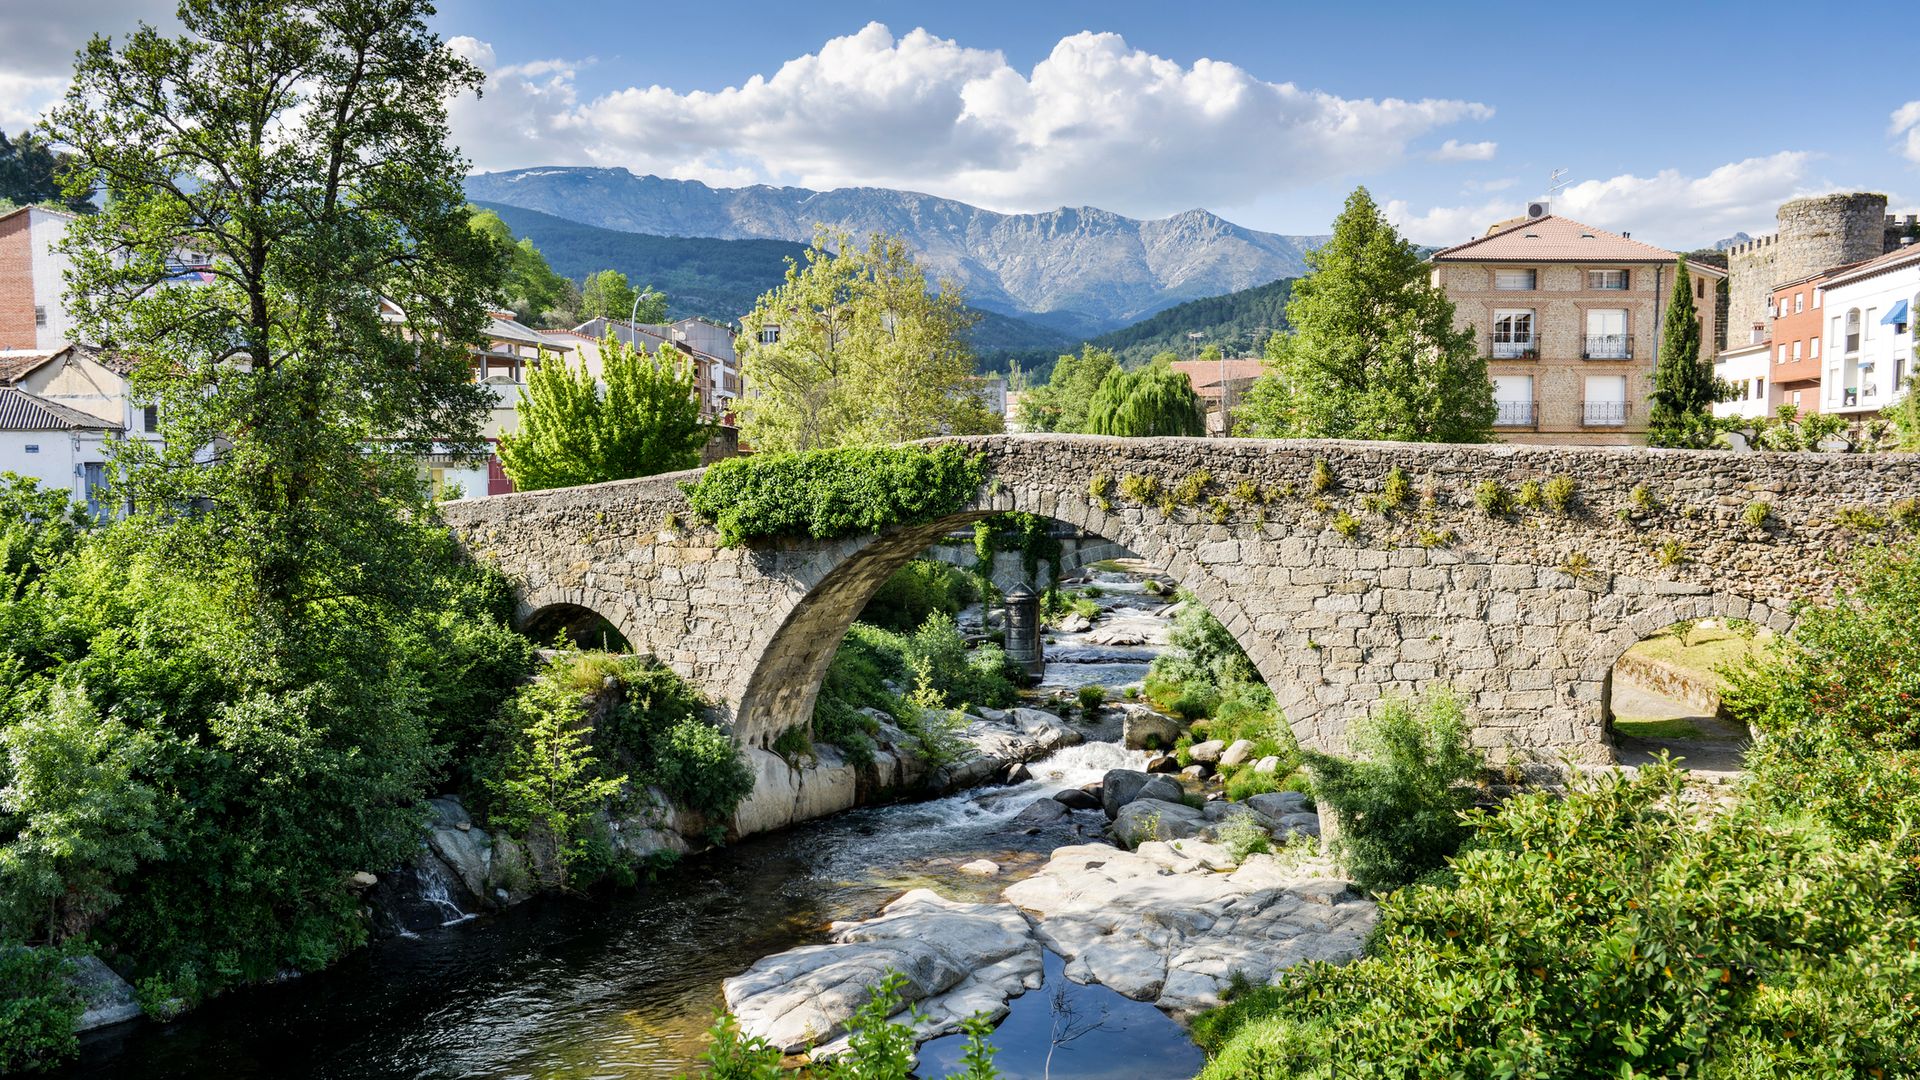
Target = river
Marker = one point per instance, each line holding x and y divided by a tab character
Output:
624	983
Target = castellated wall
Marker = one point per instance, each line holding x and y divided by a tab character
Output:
1815	234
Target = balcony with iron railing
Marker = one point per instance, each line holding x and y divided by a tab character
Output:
1516	414
1608	347
1516	350
1605	413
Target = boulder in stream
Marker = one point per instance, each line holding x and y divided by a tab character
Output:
1207	752
1145	729
1076	799
1237	753
1151	819
1119	787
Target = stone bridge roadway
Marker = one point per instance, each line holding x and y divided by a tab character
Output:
1337	599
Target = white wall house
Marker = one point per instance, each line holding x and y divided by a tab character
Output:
1871	333
1746	369
63	448
33	313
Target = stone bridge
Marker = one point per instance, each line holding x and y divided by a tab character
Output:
1339	594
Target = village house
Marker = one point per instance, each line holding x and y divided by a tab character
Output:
1222	387
1569	317
1871	334
32	315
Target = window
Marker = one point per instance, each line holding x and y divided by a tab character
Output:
1899	373
1512	334
1813	347
95	487
39	315
1607	335
1515	280
768	335
1606	403
1513	401
1853	330
1796	393
1759	389
1699	288
1613	280
1799	303
1796	352
1816	299
1873	320
1783	354
150	418
33	448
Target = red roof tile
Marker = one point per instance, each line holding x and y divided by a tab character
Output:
1557	239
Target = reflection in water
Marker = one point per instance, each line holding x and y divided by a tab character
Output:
624	985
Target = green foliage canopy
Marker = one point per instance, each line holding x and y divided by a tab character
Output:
1063	403
1155	400
830	493
1373	352
30	175
645	421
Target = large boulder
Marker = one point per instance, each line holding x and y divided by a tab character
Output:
1144	729
1075	799
1152	819
1120	787
1163	763
1208	751
106	998
1164	788
1039	813
1278	804
1237	753
776	790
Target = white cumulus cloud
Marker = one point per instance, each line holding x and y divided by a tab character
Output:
1906	127
1455	150
1096	121
1669	208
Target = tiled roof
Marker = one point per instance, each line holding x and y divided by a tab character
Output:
1892	260
1556	239
17	364
21	411
1205	374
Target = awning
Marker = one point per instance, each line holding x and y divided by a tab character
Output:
1895	315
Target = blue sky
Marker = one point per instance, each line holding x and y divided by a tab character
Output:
1681	122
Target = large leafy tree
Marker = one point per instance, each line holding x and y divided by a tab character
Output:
1155	400
608	294
260	621
1062	404
532	289
1372	352
1684	385
855	347
29	174
647	421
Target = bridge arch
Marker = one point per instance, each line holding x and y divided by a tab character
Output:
786	679
1348	571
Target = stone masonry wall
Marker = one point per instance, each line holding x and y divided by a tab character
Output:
1817	233
1523	614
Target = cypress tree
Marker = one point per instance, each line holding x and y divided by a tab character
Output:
1684	386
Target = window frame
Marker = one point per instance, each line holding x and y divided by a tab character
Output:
1594	275
1533	279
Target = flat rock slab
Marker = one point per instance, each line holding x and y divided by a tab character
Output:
803	997
1162	924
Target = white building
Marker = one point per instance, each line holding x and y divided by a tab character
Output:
1871	333
63	448
1746	370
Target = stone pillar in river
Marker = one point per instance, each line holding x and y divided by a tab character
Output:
1024	648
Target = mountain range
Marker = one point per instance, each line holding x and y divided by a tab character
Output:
1081	271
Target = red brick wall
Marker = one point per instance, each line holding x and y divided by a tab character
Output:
16	283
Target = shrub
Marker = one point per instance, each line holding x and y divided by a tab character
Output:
1246	783
1100	488
734	1055
1558	494
1398	805
918	589
837	492
1490	497
1090	699
1346	525
38	1008
957	674
1906	514
877	1049
1756	514
1241	837
1143	489
1625	930
1432	538
1320	477
1640	502
793	744
1671	552
1397	489
1859	519
700	767
1529	496
1192	486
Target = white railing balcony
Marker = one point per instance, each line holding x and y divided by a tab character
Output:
1609	347
1516	414
1605	413
1515	350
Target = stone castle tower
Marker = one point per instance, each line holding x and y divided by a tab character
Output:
1815	234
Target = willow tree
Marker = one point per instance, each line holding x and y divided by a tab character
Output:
855	347
1371	352
1155	400
646	420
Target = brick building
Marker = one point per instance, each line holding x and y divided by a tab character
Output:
32	314
1569	317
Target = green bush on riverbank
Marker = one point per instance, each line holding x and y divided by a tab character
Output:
878	668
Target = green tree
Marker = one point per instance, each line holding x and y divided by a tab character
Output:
1211	352
1684	385
1372	352
530	288
855	348
81	816
647	420
30	175
552	782
1152	401
608	295
1062	404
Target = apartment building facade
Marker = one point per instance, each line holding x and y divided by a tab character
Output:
32	314
1871	336
1569	318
